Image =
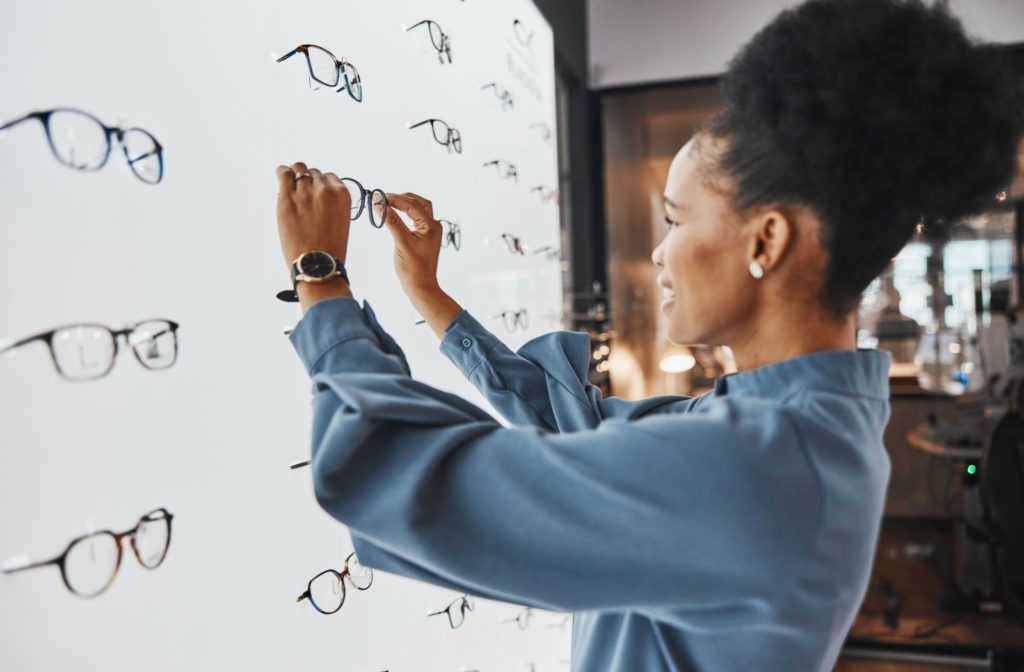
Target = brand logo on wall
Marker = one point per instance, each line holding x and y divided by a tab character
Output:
521	63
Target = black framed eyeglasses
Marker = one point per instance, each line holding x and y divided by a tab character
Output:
547	194
90	562
506	170
456	611
329	70
513	243
513	319
443	133
452	234
326	590
442	41
80	141
502	94
87	351
367	200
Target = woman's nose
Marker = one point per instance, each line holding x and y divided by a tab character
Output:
656	256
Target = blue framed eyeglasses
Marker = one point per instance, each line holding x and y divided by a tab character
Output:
82	142
329	70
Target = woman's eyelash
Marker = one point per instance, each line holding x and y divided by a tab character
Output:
669	221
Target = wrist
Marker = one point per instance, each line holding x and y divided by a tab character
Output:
424	292
311	294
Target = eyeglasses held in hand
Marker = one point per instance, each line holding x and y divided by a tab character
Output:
87	351
522	619
89	563
506	170
456	611
513	319
514	243
441	41
326	590
503	95
452	234
329	70
443	133
81	141
374	202
547	194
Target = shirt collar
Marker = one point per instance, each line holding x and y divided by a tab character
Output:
863	372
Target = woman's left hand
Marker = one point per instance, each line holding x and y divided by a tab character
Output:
313	212
417	249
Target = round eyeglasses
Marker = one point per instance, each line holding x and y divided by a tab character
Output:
326	590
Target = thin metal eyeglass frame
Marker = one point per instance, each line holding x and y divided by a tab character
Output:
109	131
453	138
511	171
502	94
547	194
522	618
61	559
47	337
444	49
545	130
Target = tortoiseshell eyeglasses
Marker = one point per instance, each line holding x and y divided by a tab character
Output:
90	563
326	590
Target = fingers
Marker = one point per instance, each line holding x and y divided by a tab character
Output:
418	208
399	231
424	203
302	176
285	179
318	178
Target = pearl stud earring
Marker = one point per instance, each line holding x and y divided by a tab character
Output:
756	270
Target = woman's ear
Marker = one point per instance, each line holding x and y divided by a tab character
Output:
773	237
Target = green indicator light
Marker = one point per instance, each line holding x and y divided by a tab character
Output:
971	469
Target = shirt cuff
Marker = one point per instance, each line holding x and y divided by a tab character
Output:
467	342
326	325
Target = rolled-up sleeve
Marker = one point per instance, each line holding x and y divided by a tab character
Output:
680	510
545	383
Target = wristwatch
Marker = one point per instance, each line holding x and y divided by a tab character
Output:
315	267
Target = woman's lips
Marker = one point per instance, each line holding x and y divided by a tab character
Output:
668	296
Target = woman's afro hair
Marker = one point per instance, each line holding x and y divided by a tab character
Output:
878	115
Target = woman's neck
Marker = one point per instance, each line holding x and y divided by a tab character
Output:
778	336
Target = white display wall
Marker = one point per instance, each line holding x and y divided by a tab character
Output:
211	438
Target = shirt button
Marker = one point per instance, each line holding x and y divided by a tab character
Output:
466	342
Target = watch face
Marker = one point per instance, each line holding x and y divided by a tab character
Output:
316	264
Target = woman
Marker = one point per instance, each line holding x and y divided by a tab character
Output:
732	531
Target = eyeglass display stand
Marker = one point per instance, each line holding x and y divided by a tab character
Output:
210	437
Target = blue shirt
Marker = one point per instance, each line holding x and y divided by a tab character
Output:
731	531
